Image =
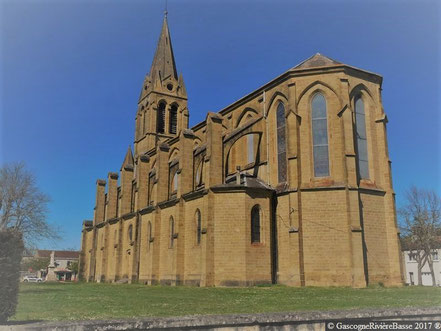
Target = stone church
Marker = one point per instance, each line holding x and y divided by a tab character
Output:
291	184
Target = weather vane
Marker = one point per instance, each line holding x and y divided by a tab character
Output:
165	11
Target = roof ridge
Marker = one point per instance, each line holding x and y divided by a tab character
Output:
317	60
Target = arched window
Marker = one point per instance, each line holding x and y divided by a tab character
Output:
281	143
173	119
320	136
360	124
172	231
149	235
130	233
198	227
255	224
160	118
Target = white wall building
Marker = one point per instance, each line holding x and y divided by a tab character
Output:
411	268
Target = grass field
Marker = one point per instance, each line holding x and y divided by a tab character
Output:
57	301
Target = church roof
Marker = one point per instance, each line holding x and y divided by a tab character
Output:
163	64
317	60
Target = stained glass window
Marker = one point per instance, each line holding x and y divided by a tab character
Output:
281	143
360	124
320	136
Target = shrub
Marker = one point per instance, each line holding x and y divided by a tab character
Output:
11	250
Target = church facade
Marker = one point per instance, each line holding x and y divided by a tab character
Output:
290	184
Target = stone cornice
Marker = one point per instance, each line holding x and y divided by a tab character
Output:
113	220
194	195
168	203
101	224
238	189
147	210
128	216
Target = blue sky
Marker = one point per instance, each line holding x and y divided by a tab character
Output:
71	73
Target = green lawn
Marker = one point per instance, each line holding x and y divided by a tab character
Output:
57	301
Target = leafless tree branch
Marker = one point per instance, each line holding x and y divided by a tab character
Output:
420	219
23	207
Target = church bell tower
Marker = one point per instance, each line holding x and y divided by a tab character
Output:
162	106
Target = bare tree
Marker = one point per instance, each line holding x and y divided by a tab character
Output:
23	207
421	226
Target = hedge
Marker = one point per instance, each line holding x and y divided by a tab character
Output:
11	250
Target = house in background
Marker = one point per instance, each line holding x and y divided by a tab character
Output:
411	268
63	261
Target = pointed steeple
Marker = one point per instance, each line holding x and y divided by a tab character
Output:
128	160
162	105
164	65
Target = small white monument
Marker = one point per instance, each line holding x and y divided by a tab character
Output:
51	276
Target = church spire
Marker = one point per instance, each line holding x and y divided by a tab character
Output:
162	106
164	65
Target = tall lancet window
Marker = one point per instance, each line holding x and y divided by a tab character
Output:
281	142
172	231
160	118
360	124
173	119
320	136
255	224
198	227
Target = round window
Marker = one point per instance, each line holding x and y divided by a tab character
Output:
170	87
